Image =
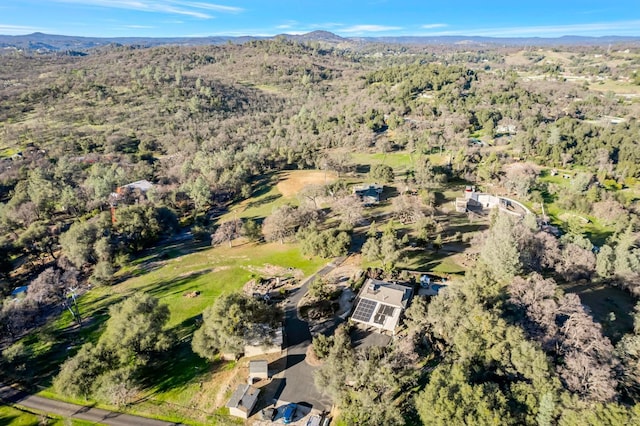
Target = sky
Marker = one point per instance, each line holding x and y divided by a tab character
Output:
347	18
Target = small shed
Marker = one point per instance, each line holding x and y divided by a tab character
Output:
243	400
258	369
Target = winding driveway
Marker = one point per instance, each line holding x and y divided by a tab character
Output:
299	386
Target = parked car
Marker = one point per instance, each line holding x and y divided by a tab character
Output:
314	421
289	413
269	413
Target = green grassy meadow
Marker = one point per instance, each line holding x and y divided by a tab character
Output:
11	416
263	201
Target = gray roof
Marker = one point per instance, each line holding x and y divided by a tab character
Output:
366	186
244	398
263	334
260	366
388	293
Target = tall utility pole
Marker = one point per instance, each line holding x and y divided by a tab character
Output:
73	306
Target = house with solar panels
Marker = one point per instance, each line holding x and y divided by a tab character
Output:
380	304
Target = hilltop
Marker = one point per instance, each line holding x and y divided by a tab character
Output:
59	43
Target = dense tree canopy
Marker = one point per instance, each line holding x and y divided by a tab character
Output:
231	321
107	369
212	128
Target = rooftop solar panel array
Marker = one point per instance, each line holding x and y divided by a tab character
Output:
364	310
384	311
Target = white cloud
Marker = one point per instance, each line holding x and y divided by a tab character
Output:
287	24
430	26
195	9
8	29
592	29
369	29
208	6
326	25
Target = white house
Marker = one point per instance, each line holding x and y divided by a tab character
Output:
380	304
479	201
141	185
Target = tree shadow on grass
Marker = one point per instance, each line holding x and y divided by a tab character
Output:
426	259
155	257
363	168
465	228
178	366
598	237
9	420
180	285
603	300
262	201
263	184
47	349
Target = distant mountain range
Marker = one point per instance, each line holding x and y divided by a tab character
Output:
61	43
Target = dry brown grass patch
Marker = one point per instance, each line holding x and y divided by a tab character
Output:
292	182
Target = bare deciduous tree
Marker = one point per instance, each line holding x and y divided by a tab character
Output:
281	224
577	262
227	232
408	208
519	178
349	209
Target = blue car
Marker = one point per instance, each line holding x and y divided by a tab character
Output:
289	413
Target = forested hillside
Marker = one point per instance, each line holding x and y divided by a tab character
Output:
211	127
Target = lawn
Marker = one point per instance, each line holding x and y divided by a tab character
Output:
176	379
11	416
397	160
441	263
594	229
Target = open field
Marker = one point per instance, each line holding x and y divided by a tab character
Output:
617	87
276	190
399	161
291	183
593	228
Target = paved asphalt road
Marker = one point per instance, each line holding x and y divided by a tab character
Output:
13	396
299	386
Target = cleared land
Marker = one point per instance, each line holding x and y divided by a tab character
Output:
276	190
291	183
